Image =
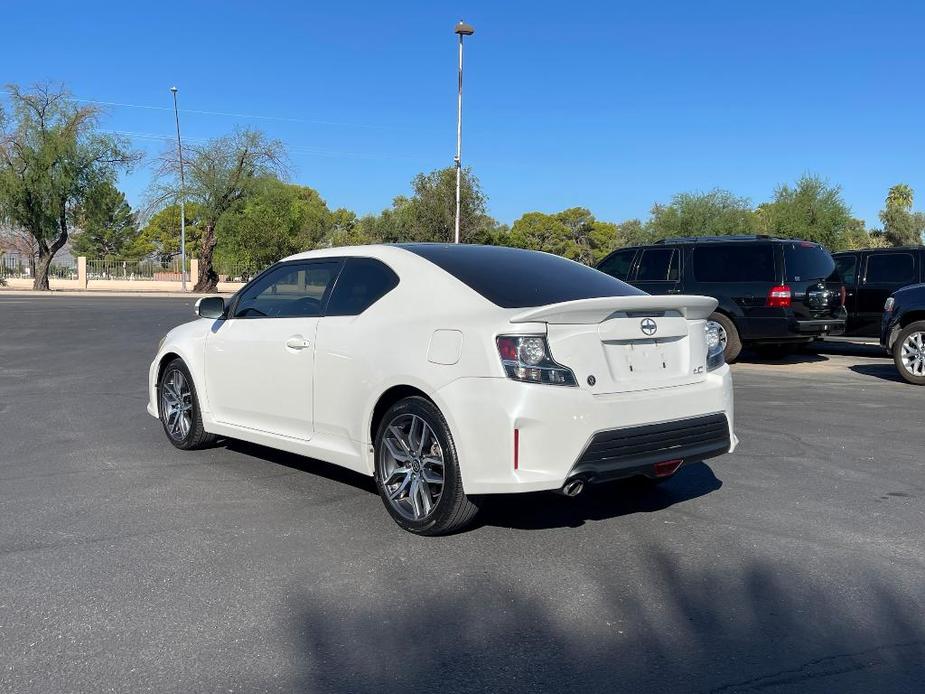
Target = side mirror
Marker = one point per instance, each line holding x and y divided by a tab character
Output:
210	307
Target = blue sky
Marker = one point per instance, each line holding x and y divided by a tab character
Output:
608	105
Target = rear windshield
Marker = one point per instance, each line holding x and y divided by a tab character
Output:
734	262
807	262
516	278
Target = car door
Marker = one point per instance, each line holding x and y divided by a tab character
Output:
658	271
847	265
884	273
259	361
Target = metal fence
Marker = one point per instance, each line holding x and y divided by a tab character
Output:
13	267
135	270
235	272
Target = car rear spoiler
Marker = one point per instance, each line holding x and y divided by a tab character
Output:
597	310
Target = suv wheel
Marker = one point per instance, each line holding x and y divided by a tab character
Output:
909	353
417	471
727	334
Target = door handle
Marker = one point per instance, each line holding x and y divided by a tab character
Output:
297	342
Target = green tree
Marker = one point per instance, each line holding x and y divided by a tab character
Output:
348	230
901	226
811	210
716	213
429	214
573	233
107	224
218	175
160	237
275	220
52	156
901	195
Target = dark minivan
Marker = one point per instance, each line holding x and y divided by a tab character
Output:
773	293
870	276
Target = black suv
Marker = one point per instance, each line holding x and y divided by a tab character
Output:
773	293
870	276
902	332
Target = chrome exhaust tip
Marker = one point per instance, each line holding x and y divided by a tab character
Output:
573	488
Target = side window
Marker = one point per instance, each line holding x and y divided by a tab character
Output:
619	264
293	290
658	265
745	262
847	267
890	268
362	283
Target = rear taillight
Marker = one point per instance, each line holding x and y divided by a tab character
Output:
843	295
527	358
779	296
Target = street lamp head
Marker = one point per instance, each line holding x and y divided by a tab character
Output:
464	29
173	89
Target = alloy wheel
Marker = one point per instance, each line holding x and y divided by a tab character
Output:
411	466
177	405
912	354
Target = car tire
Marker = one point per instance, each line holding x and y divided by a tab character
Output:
184	426
909	353
422	496
733	341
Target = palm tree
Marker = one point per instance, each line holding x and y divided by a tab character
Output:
900	195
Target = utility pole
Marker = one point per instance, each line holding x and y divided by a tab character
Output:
462	29
176	114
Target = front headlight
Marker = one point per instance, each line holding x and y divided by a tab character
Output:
715	337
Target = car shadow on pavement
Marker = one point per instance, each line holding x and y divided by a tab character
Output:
848	348
654	624
542	510
750	356
302	463
886	372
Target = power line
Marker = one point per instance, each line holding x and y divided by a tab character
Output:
234	115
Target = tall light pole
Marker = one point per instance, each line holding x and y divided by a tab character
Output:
462	29
176	114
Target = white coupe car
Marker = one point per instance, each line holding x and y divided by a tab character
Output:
447	372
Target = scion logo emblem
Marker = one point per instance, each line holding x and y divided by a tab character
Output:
648	326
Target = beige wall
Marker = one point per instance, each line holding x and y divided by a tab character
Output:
119	285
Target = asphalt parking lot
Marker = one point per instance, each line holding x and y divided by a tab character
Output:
795	565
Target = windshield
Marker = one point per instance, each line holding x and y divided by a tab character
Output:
517	278
807	262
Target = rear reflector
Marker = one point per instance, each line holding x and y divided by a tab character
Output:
668	467
779	296
516	448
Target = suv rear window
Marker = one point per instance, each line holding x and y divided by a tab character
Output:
807	262
741	262
517	278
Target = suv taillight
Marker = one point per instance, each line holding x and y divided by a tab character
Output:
779	296
527	358
843	295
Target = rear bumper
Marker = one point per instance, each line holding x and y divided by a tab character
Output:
556	426
638	450
820	327
784	328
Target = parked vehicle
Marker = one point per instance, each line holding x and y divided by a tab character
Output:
870	276
451	371
774	294
902	332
